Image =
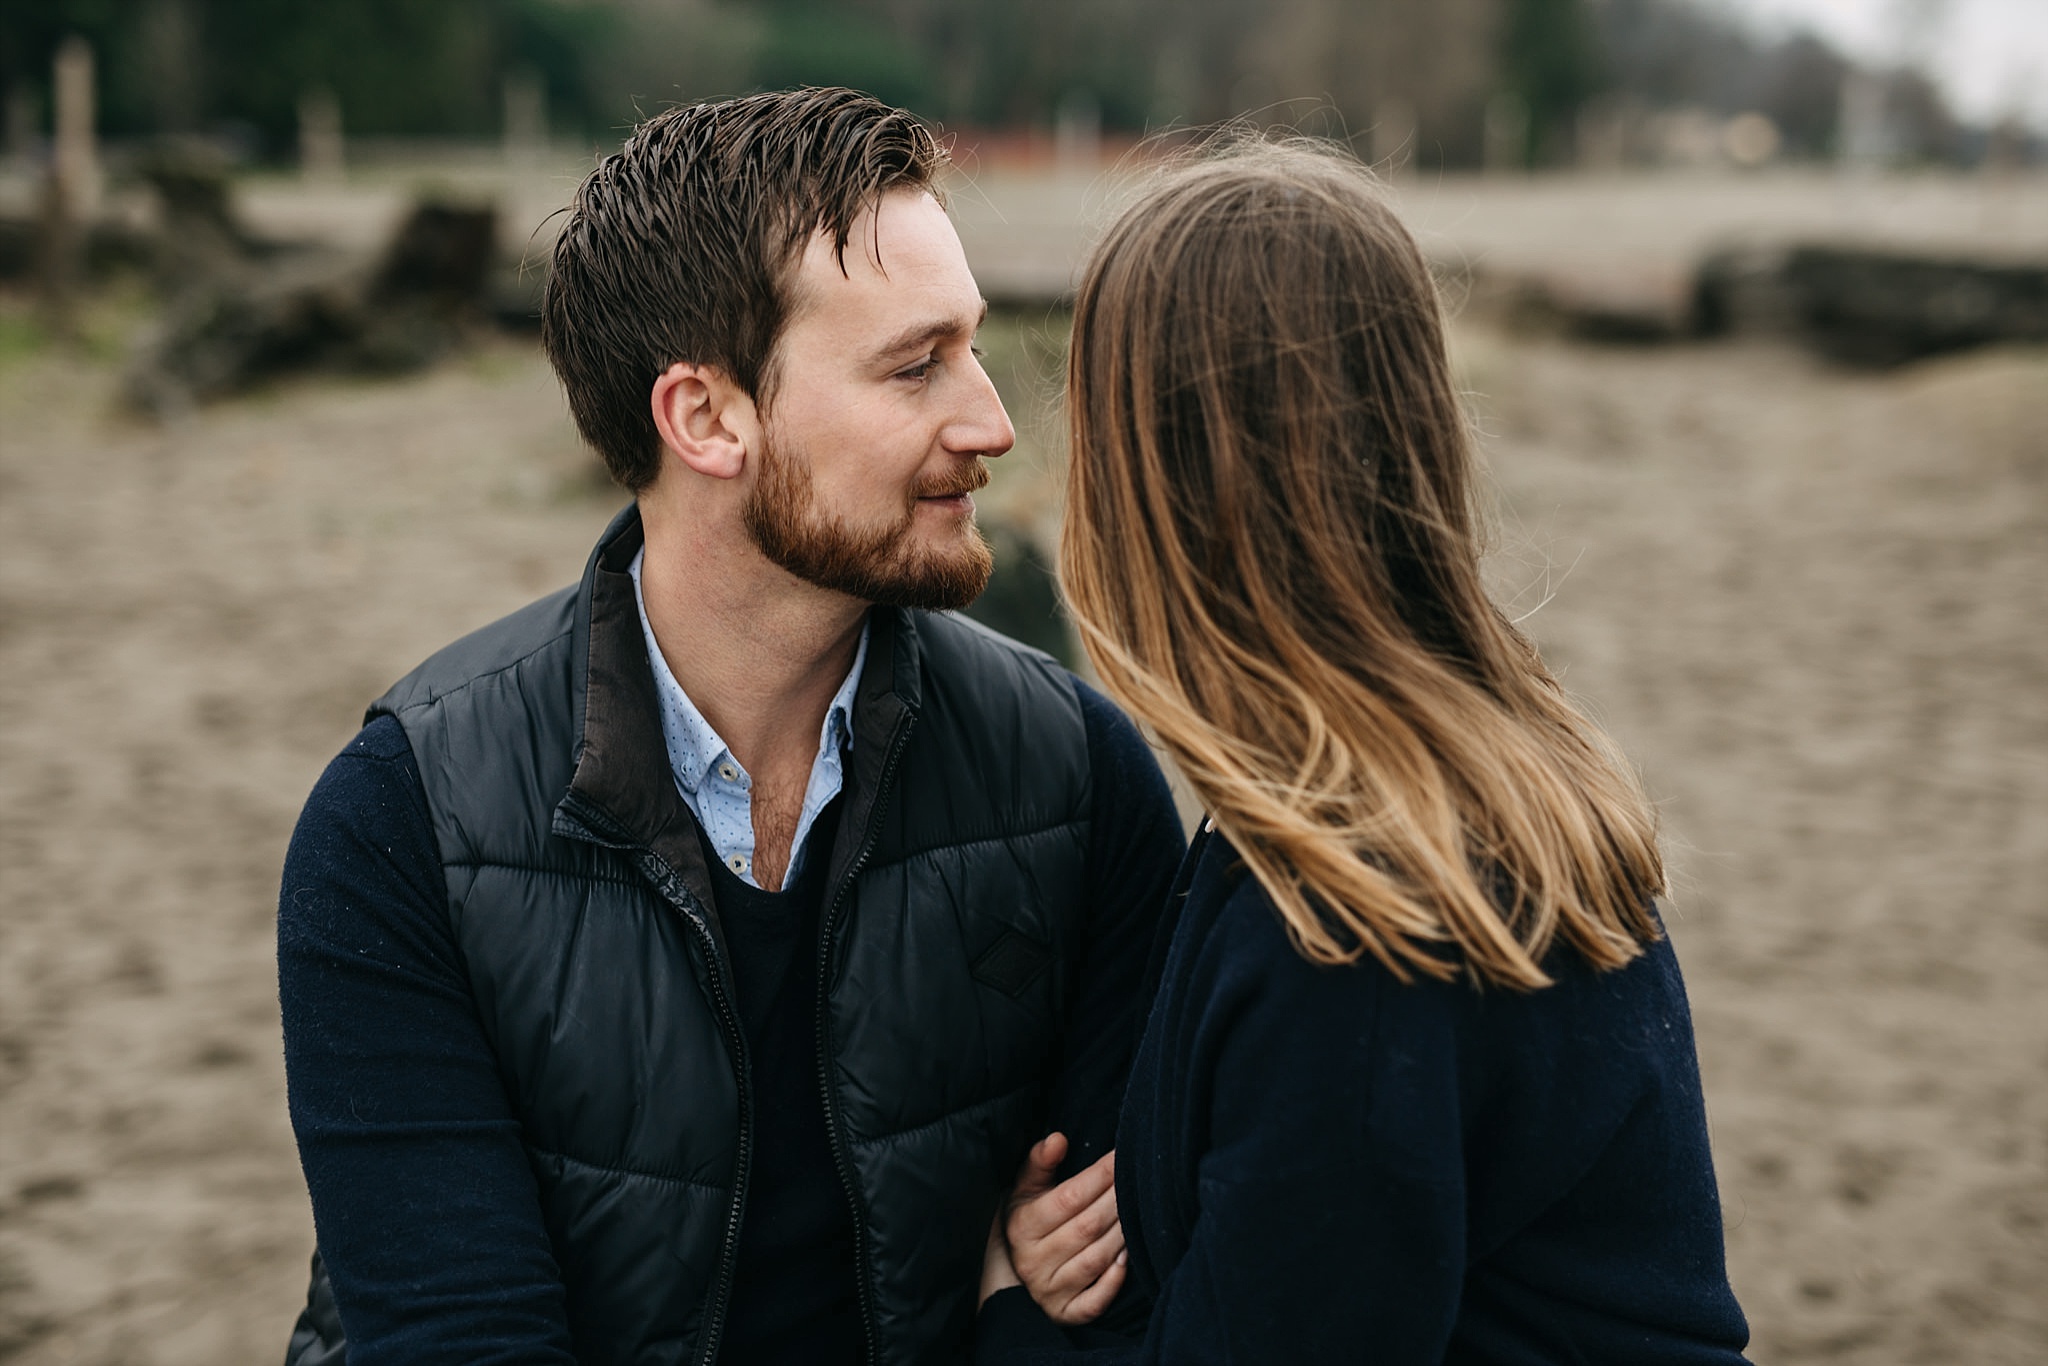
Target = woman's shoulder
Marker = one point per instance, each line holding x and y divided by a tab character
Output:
1426	1059
1232	948
1227	917
1232	935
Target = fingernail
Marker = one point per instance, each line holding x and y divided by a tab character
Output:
1122	1255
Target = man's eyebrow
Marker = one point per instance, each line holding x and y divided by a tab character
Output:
920	335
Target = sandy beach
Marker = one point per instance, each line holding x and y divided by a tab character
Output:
1808	602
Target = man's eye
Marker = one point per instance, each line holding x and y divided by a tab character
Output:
921	370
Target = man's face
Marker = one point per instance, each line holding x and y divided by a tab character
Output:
881	417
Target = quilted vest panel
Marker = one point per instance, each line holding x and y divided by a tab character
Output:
577	895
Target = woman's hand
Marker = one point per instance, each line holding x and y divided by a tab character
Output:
1064	1243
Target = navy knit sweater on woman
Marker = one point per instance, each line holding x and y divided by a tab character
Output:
1323	1165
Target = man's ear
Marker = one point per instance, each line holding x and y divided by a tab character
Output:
705	420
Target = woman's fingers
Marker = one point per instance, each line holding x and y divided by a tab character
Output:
1081	1232
1064	1240
1087	1306
1038	1215
1088	1265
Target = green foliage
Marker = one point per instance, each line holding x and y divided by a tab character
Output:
816	44
555	41
397	67
1551	57
30	31
436	67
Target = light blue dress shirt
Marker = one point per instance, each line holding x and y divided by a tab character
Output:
715	786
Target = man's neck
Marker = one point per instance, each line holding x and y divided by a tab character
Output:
759	652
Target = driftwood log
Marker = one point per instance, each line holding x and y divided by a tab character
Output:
1868	307
246	315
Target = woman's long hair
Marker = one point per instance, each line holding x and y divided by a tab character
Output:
1271	553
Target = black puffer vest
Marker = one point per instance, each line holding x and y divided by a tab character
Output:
578	894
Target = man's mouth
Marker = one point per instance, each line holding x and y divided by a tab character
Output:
952	505
957	491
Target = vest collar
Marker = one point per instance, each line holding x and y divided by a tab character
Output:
624	791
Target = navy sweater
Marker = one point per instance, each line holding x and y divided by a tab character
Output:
795	1289
426	1210
1324	1165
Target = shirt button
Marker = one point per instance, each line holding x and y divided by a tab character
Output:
738	863
728	772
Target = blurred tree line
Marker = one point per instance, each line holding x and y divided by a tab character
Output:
1431	69
1661	54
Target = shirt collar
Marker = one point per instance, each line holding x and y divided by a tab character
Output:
838	729
694	747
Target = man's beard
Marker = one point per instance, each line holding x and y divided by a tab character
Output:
879	565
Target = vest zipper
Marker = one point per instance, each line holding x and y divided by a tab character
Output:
728	1021
670	886
863	1274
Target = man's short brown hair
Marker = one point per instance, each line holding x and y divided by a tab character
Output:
683	244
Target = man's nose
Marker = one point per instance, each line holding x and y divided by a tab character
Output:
981	427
